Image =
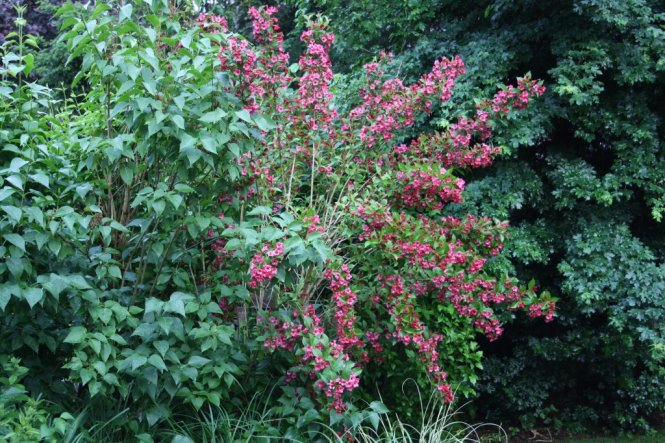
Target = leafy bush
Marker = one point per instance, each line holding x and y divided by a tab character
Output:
205	222
23	418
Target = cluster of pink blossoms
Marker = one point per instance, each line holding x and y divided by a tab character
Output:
459	280
425	190
286	333
344	299
335	389
263	267
295	335
464	144
389	105
313	224
212	23
517	98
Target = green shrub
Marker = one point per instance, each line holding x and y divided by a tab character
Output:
203	223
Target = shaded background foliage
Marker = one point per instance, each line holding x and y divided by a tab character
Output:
39	16
50	57
582	182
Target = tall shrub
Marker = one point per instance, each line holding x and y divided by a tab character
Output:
207	220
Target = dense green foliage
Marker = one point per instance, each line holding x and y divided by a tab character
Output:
582	182
205	222
198	241
68	176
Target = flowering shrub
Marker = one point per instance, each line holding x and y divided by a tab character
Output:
206	221
352	245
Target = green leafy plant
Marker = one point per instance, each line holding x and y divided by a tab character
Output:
203	223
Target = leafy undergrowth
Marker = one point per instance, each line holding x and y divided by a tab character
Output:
545	435
654	438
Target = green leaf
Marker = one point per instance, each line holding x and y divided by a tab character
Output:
100	367
16	164
323	250
6	292
16	180
33	296
176	303
165	323
264	123
162	346
127	174
118	227
156	361
13	212
156	413
193	155
175	199
145	330
16	240
293	243
111	379
197	361
197	402
374	419
76	335
41	178
185	189
29	61
105	315
125	13
15	266
209	144
307	417
213	116
95	345
379	407
137	361
244	115
153	305
53	283
178	120
114	271
5	193
260	210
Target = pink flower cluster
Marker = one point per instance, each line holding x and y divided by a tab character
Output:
344	299
311	112
457	280
424	189
517	98
390	105
264	265
212	23
258	75
285	334
464	144
297	335
409	330
335	388
313	224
